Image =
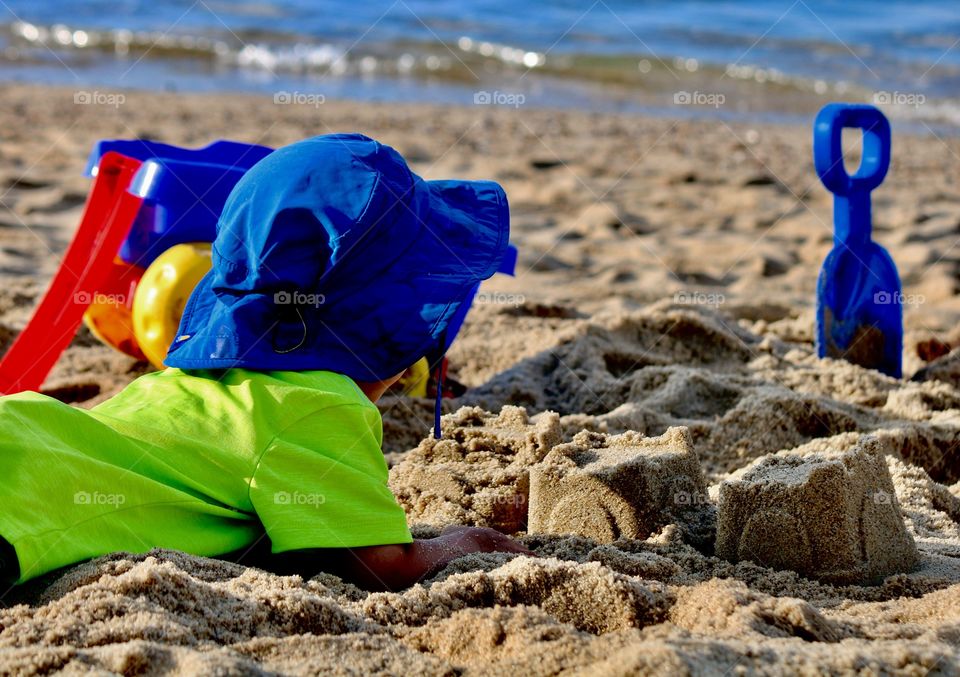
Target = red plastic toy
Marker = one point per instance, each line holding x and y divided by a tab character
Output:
107	217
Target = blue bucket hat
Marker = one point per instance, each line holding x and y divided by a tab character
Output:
331	254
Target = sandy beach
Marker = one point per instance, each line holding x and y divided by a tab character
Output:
660	323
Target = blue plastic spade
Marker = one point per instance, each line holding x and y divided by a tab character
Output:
859	314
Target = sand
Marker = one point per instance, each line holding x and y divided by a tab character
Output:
479	472
667	272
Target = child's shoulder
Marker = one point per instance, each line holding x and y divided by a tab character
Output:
331	387
279	397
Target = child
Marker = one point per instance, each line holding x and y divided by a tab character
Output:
334	269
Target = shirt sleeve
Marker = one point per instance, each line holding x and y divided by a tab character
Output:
322	483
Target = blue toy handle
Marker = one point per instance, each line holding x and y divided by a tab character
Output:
851	204
231	153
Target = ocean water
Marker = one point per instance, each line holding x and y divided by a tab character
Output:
743	59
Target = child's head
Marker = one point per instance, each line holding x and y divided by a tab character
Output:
331	254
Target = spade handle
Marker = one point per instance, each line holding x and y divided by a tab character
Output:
851	202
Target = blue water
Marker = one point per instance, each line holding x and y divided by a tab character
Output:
608	54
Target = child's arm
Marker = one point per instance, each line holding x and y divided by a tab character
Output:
394	567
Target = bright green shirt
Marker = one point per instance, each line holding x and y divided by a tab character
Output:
205	462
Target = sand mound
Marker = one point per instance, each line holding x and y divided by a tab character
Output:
355	654
588	596
730	609
597	370
519	616
127	599
645	371
931	512
519	637
651	602
479	473
945	369
510	472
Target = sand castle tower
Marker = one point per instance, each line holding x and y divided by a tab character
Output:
623	486
830	515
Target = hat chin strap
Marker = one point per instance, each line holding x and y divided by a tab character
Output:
439	402
435	359
303	339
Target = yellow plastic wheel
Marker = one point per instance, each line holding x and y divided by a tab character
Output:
414	381
162	294
108	317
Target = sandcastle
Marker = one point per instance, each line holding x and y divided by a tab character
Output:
478	473
825	513
621	486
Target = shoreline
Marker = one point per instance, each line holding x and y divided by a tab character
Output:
783	68
740	103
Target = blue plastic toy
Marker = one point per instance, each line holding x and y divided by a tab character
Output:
859	313
183	190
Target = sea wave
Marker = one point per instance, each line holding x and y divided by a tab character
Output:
647	79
